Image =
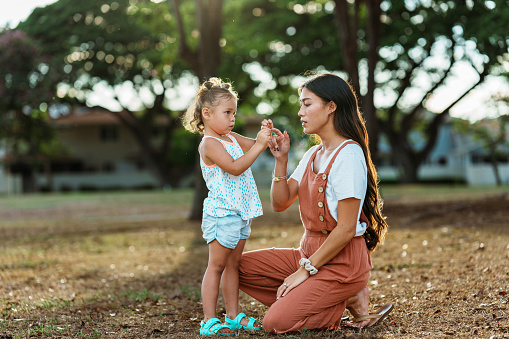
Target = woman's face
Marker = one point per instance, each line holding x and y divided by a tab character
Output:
313	113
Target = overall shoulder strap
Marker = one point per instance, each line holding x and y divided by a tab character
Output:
337	152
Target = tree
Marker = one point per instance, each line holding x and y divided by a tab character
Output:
140	46
117	47
434	39
204	61
23	109
398	56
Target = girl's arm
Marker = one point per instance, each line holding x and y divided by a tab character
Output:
213	152
339	237
244	142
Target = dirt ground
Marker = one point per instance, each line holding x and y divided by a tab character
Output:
131	268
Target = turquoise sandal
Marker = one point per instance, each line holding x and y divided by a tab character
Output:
212	326
236	325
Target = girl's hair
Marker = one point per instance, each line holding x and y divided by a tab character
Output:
210	94
349	122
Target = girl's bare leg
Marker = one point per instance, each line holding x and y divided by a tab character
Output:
218	257
230	283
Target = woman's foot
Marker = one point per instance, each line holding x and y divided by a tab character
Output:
358	306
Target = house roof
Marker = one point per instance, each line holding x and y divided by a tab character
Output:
97	116
85	116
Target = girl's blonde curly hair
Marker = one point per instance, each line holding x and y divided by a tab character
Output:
210	94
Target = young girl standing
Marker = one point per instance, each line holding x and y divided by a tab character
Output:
225	160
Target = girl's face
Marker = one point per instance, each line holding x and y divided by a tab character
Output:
313	113
221	118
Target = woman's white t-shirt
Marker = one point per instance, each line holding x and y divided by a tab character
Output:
347	178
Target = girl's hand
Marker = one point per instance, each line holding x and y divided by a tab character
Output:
291	282
280	145
267	123
264	136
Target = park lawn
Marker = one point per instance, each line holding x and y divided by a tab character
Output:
129	264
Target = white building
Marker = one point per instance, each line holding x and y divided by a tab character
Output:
103	154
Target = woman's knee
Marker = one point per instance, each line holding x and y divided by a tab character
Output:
277	321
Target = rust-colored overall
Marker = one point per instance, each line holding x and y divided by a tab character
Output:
318	302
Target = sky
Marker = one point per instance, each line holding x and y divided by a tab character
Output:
472	107
15	11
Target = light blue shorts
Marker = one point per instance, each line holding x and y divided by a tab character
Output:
226	230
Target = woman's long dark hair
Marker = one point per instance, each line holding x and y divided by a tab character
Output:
350	123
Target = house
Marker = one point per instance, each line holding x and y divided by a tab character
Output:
102	154
457	157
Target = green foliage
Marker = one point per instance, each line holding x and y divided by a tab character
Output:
136	44
423	39
185	147
191	292
53	303
22	72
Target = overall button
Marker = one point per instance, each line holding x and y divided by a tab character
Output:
321	218
324	231
320	189
324	176
320	204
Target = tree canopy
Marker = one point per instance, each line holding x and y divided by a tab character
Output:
397	54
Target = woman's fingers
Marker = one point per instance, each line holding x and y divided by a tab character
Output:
275	142
280	291
277	131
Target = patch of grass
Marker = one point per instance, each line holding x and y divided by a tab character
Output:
46	330
191	292
180	197
85	333
55	303
428	192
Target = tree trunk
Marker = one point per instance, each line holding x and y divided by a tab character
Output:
347	18
205	63
200	192
29	181
409	168
405	157
494	164
374	13
48	174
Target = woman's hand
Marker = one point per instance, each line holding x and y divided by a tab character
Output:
280	145
292	281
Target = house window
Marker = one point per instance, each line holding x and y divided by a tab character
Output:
108	167
108	133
